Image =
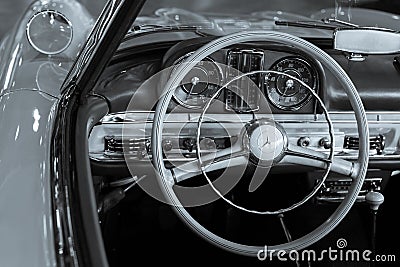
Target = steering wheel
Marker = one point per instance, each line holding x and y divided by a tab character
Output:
282	151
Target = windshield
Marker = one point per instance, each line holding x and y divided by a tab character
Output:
255	14
301	7
238	6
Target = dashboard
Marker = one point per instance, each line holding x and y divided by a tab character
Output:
273	78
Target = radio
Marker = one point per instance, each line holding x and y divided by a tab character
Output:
336	189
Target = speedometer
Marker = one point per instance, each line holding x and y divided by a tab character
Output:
200	84
287	93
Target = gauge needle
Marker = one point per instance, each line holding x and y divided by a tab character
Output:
289	84
267	142
195	81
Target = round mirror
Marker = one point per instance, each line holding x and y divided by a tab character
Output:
49	32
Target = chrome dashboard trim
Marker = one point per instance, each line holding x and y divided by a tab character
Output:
104	39
380	122
373	117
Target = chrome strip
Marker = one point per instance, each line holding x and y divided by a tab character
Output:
108	32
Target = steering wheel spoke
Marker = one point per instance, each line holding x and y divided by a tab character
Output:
311	158
225	158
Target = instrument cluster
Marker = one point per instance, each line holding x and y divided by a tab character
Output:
247	76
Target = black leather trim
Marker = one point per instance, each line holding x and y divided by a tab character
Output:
377	81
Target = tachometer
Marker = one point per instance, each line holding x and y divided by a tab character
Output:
285	92
200	84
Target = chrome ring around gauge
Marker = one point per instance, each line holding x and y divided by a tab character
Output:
285	93
49	32
200	84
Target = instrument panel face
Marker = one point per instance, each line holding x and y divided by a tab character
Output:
200	84
283	79
283	88
243	95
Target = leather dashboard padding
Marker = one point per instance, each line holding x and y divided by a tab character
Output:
377	81
119	89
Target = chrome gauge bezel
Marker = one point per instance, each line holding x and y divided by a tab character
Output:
32	42
176	65
315	84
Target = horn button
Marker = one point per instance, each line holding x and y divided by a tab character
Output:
267	140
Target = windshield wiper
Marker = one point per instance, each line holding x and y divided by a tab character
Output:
324	24
305	24
340	22
149	29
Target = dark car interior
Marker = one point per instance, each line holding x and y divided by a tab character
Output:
136	225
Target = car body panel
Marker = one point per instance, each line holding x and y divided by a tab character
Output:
21	66
25	222
30	85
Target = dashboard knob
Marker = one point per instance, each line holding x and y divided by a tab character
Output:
167	145
304	141
208	143
325	143
189	144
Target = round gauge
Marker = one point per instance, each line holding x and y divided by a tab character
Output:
283	91
200	84
49	32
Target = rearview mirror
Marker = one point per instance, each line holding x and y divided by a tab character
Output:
368	41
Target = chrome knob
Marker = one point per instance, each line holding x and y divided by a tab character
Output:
304	142
325	143
167	145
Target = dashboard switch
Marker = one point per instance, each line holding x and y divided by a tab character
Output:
167	145
304	141
189	144
325	143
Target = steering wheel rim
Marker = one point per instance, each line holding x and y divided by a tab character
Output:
360	167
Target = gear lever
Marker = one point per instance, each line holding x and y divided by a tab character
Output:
374	199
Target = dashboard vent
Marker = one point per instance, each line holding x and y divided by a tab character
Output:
377	143
114	146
